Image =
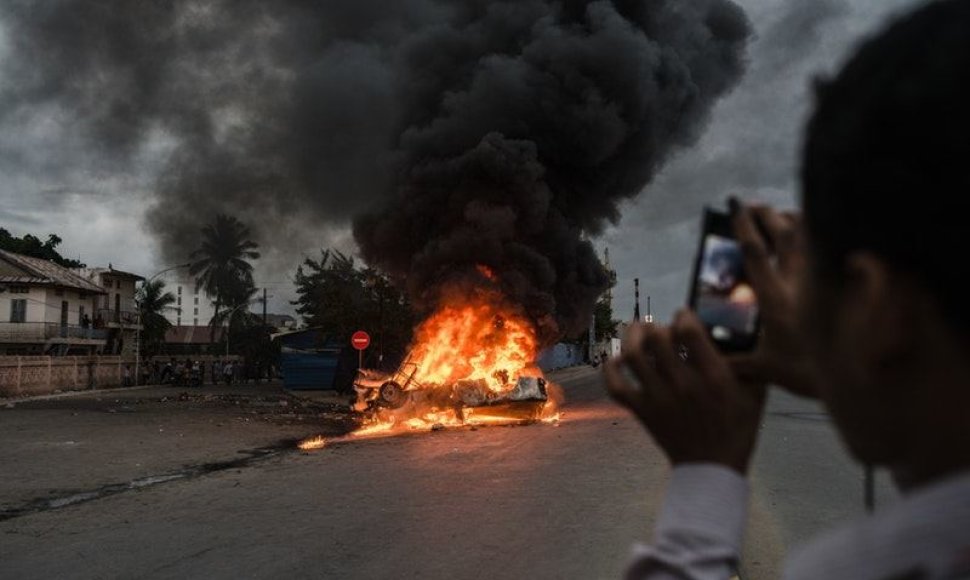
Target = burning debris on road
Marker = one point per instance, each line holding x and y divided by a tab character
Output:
384	399
472	362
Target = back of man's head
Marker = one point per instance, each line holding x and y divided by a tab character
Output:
887	156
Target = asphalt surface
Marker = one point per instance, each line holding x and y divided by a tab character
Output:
93	494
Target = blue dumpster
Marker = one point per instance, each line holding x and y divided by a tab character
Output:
310	359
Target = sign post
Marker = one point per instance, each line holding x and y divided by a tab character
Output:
360	340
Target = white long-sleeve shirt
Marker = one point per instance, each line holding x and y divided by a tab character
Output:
698	534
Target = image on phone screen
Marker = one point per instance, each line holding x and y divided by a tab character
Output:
726	302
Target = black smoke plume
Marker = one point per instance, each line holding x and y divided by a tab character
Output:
525	124
458	132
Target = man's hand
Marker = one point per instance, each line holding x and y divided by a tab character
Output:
686	395
774	260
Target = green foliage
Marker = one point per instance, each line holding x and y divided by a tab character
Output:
251	339
153	302
30	245
337	295
605	326
236	303
221	263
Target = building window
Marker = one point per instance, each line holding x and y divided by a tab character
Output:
179	301
18	310
178	322
117	284
106	282
195	322
19	290
196	312
196	300
180	290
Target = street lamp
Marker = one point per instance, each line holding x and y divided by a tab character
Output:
138	305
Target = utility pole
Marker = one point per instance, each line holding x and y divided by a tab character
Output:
380	332
636	296
264	306
649	314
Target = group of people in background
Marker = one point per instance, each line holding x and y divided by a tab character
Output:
195	373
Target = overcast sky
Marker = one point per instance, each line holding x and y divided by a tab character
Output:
750	148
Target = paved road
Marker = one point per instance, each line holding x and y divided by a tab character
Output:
503	502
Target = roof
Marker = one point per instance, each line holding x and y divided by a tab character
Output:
279	319
111	271
194	334
30	270
276	335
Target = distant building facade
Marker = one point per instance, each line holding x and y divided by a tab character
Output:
46	309
193	307
116	310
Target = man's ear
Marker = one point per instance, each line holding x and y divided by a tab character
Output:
879	310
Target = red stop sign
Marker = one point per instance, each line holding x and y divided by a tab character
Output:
360	340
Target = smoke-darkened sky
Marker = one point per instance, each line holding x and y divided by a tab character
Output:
95	171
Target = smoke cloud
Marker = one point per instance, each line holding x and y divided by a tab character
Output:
525	124
452	133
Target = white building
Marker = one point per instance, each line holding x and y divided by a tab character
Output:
191	308
116	309
47	309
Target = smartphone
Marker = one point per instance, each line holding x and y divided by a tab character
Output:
720	294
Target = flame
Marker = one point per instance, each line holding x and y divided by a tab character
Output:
312	443
475	341
487	272
474	336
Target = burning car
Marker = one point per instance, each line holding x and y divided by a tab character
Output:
388	398
471	362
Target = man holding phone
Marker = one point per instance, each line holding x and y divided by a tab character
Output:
861	302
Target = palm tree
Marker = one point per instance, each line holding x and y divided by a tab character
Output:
153	301
220	264
236	306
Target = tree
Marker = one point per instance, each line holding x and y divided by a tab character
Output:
337	295
605	324
331	292
153	301
236	299
30	245
221	263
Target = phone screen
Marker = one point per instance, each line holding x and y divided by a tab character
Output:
725	301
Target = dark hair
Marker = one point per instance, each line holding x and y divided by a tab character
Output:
886	163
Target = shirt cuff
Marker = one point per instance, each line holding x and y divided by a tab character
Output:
705	500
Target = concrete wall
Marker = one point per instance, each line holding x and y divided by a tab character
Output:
560	356
22	376
39	375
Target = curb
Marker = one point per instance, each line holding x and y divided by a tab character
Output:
67	394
